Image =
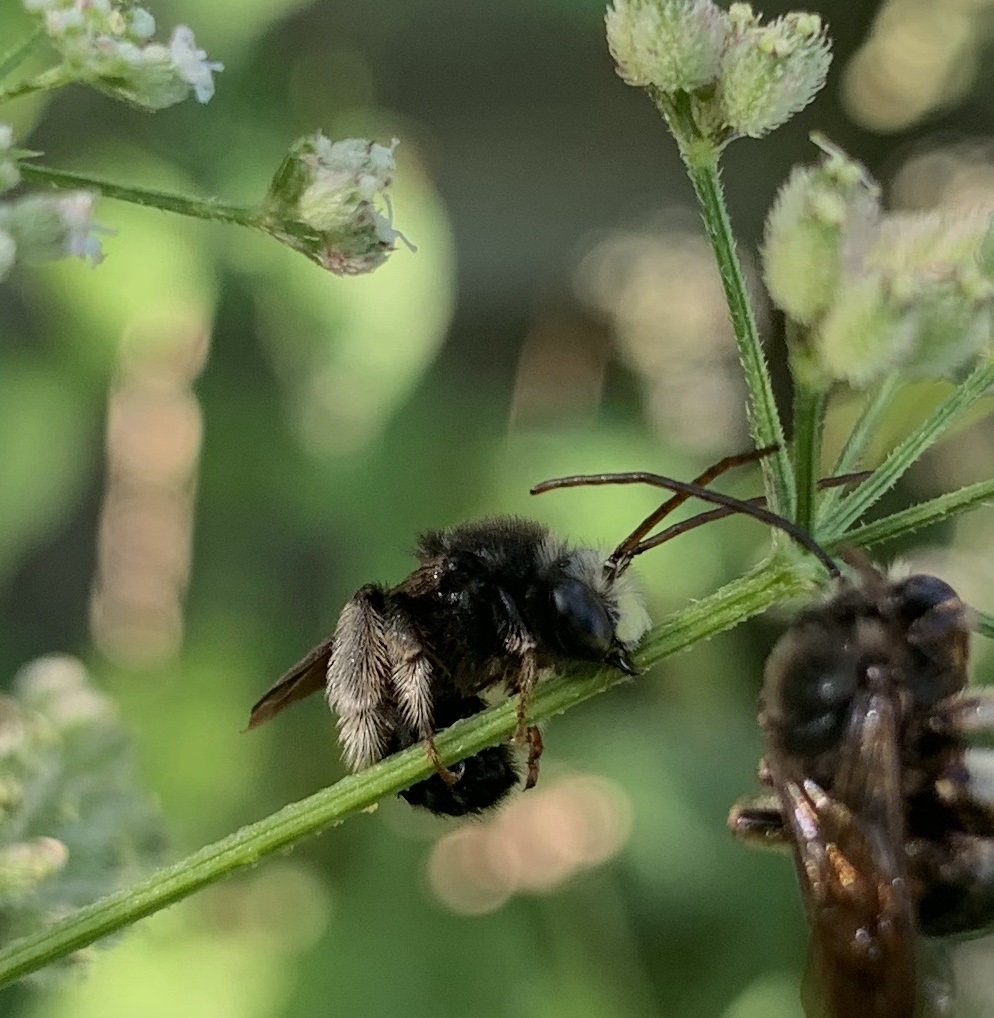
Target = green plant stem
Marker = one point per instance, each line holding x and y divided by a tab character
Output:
13	59
768	584
764	420
862	434
853	506
209	208
810	404
984	624
54	77
944	507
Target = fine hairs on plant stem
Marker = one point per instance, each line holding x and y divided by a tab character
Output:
871	299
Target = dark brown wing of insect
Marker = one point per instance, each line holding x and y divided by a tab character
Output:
310	673
305	677
848	850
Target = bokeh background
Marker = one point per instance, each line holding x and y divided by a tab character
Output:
207	443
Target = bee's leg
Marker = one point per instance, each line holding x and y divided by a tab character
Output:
963	714
968	787
758	821
449	777
411	678
358	678
535	747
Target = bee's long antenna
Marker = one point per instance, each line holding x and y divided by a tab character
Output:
676	529
622	555
692	490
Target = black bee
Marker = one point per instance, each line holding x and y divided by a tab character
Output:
492	603
865	716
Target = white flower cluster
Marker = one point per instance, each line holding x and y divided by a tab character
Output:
744	78
323	202
43	227
877	292
107	45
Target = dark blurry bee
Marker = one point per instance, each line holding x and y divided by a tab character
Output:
886	810
492	603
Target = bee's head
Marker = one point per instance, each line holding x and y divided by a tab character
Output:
588	615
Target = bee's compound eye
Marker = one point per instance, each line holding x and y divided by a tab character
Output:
919	594
582	623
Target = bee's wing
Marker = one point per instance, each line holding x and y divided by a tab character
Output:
848	849
305	677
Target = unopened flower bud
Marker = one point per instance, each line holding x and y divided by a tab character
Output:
672	45
864	334
323	201
770	72
821	214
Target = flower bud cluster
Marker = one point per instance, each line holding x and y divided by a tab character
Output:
877	292
107	44
45	227
74	823
742	78
324	202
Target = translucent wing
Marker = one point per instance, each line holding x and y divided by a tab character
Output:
305	677
848	846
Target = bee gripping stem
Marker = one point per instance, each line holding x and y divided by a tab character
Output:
765	586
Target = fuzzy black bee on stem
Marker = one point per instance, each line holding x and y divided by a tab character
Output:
874	789
490	604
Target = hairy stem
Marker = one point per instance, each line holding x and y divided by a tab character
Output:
764	419
862	434
13	58
768	584
54	77
943	507
200	208
921	439
809	421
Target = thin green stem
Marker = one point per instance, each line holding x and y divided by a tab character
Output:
901	458
983	624
766	585
862	434
54	77
13	59
810	404
933	511
764	419
200	208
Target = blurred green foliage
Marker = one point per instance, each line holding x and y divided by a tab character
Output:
340	417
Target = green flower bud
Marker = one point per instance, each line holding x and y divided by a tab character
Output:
821	214
323	202
865	333
672	45
770	72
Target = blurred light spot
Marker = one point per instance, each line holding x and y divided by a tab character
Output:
286	903
560	372
662	294
920	56
959	176
535	843
154	432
